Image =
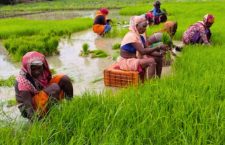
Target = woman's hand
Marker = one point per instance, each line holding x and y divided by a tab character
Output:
53	90
164	47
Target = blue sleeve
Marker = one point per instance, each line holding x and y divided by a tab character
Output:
155	13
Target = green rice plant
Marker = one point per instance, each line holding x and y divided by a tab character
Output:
69	5
11	102
85	50
166	39
116	46
53	71
115	54
97	80
98	53
186	107
116	31
8	82
42	36
41	43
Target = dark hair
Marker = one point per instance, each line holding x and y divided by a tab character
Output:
163	18
157	3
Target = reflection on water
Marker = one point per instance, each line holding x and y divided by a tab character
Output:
83	70
60	15
6	67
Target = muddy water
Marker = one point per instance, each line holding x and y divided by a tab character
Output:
60	15
83	70
7	68
69	14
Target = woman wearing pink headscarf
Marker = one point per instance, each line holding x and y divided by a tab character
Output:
199	32
36	88
134	42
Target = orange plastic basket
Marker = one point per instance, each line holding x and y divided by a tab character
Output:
119	78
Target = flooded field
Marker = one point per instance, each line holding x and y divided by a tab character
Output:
86	72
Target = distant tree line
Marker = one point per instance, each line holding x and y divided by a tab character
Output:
19	1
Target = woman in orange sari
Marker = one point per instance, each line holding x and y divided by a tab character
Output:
36	88
101	23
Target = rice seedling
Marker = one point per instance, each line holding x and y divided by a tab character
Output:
116	46
166	39
98	53
115	54
85	50
21	35
8	82
186	107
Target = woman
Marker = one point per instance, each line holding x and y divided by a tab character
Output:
101	24
134	42
170	28
36	88
159	15
199	32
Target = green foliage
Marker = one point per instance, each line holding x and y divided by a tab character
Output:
116	31
53	71
42	43
11	102
115	54
116	46
166	39
8	82
98	53
85	50
21	35
187	107
71	5
97	80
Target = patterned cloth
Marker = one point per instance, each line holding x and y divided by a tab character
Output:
197	33
41	82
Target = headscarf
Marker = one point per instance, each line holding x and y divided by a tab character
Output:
168	26
29	59
104	11
156	3
208	18
149	17
133	35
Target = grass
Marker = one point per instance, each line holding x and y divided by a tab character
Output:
116	46
22	35
187	107
98	53
8	82
179	11
93	53
85	50
71	5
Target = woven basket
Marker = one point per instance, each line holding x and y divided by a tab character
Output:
119	78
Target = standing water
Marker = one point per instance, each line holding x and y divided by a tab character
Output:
84	71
